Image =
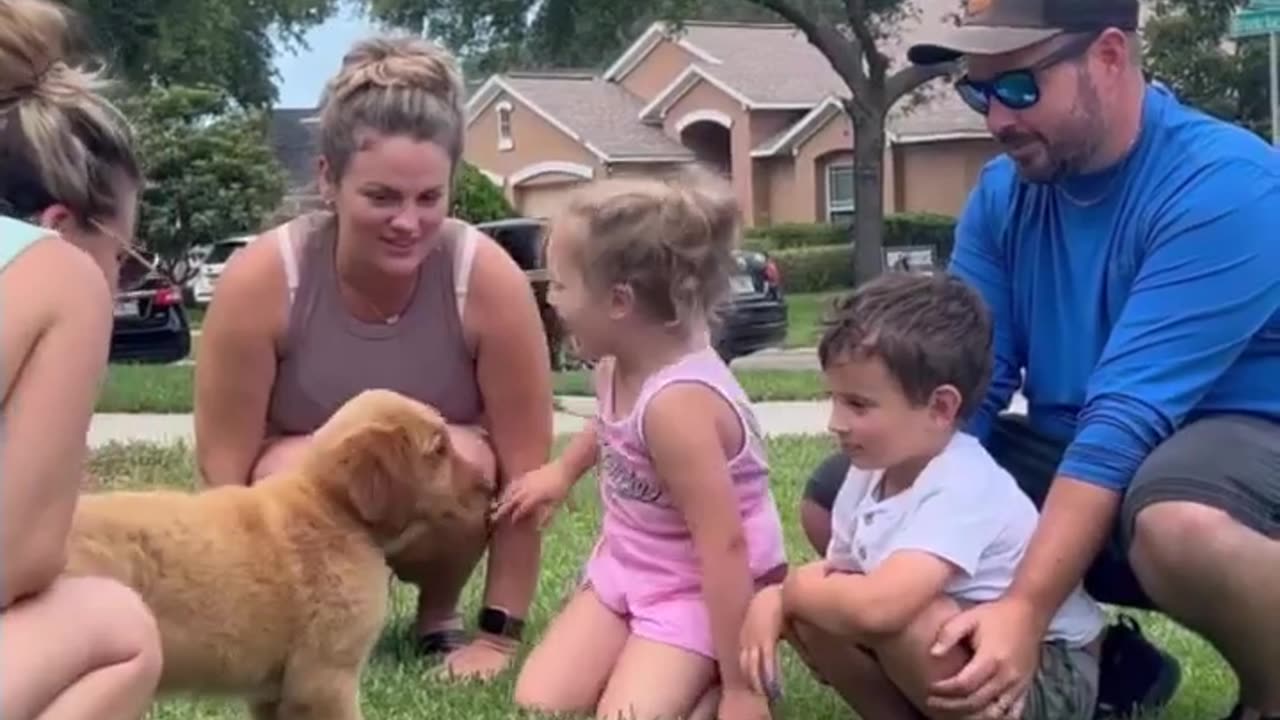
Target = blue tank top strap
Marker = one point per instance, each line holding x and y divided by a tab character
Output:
16	236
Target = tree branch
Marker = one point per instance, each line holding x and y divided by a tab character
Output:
856	10
911	77
837	48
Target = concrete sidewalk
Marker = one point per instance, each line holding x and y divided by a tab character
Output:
777	418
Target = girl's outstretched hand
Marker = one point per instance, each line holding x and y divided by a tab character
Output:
536	494
759	641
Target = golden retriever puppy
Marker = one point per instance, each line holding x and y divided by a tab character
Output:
277	592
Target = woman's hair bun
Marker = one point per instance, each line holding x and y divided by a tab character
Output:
398	62
33	37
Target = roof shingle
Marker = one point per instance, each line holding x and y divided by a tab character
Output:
603	113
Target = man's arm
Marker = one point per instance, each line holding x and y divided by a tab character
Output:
1207	285
979	260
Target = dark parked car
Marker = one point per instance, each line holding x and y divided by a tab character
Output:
151	324
755	317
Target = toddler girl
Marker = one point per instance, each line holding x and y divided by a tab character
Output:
690	527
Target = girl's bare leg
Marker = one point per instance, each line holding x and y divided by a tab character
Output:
654	680
569	668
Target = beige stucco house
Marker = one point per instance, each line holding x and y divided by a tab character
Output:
757	101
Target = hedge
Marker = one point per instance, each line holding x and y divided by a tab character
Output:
819	257
899	229
816	269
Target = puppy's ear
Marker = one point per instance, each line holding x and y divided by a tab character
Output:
372	457
369	490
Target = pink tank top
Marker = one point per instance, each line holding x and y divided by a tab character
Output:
643	530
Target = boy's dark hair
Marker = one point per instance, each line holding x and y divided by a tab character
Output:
929	331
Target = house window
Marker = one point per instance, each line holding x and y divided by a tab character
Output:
505	142
840	194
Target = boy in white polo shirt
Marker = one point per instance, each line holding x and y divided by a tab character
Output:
925	524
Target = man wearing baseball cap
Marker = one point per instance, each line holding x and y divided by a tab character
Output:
1129	249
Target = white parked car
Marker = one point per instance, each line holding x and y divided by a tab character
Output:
211	268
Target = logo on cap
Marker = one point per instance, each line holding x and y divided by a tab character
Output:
977	7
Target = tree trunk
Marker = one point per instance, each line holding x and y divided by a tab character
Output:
868	195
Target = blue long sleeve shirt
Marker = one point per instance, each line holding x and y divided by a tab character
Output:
1134	300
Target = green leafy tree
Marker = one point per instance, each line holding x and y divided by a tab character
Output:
210	172
1187	46
224	43
501	34
476	199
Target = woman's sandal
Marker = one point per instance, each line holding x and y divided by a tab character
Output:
439	643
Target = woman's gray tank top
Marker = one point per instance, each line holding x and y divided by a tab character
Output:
329	356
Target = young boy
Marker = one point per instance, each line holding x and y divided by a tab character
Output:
925	524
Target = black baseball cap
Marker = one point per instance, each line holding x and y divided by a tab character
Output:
994	27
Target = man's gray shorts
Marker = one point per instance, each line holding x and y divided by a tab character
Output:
1227	462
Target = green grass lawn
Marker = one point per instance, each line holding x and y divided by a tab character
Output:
168	388
804	318
396	685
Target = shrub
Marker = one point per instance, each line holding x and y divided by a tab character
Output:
899	230
787	236
816	269
476	199
921	229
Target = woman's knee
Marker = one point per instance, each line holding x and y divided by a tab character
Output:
277	454
472	447
120	626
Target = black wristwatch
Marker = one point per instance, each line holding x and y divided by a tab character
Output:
497	621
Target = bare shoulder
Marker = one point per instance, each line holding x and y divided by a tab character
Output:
253	290
82	304
82	287
498	291
494	271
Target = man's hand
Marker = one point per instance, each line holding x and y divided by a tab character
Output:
483	658
1005	636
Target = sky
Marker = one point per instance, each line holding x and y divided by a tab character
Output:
302	76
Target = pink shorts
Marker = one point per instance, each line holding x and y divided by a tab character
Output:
678	619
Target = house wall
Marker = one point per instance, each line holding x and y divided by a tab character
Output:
704	96
656	71
544	195
535	140
938	176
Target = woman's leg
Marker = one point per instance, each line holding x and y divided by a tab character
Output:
440	572
277	454
567	671
84	648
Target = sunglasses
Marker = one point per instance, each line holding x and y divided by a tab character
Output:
1019	89
127	249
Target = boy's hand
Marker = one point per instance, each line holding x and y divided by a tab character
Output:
538	493
742	704
759	642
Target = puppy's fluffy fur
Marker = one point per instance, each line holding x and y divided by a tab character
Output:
277	592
